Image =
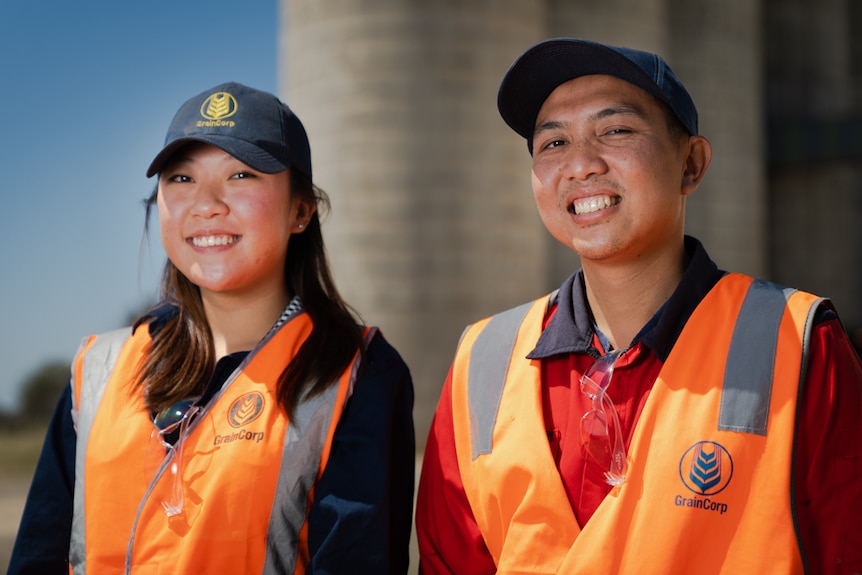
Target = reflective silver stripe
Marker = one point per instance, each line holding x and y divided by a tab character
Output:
304	441
748	372
98	363
300	459
486	374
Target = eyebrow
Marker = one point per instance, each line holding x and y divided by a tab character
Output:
617	110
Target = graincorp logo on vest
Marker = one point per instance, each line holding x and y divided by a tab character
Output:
706	503
241	435
705	469
244	409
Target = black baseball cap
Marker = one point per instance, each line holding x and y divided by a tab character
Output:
544	66
253	126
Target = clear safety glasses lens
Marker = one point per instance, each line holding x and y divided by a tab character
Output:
602	439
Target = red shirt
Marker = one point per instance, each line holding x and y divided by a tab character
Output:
828	455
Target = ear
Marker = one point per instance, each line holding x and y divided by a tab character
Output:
699	154
302	215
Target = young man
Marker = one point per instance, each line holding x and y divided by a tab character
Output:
655	414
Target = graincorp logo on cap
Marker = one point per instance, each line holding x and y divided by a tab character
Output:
216	109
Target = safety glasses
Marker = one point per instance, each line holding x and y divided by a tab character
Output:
169	431
596	433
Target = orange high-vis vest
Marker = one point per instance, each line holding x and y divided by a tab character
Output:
710	464
248	473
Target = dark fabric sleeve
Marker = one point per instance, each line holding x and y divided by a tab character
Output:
42	544
362	512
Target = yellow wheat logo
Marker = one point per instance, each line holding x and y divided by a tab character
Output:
219	106
245	409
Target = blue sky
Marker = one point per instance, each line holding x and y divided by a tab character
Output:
87	90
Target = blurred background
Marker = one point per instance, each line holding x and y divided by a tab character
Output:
433	224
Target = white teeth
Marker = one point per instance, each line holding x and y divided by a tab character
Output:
594	204
210	241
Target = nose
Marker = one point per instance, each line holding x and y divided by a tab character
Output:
582	161
209	201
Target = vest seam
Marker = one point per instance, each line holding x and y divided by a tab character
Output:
803	373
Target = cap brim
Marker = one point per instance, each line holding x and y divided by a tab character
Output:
246	152
543	67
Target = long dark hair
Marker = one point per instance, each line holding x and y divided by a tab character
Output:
181	358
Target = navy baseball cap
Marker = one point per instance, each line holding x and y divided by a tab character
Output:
546	65
254	127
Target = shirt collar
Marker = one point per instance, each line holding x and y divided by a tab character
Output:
570	330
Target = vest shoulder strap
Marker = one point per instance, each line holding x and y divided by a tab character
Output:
489	365
93	363
97	357
750	364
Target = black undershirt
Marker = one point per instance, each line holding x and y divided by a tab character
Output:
223	369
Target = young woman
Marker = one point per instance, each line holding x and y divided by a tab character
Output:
247	423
